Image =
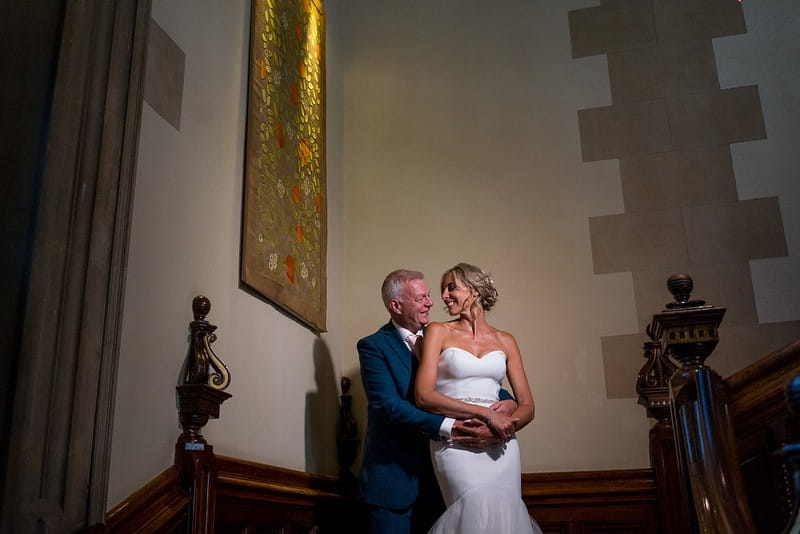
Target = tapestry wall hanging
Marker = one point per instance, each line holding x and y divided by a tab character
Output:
284	228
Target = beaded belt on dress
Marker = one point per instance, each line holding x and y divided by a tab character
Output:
476	400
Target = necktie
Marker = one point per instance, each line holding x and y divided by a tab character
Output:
411	341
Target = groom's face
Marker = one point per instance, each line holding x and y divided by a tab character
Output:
414	305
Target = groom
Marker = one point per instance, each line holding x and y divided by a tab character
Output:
396	482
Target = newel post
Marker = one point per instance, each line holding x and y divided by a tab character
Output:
703	426
652	385
200	395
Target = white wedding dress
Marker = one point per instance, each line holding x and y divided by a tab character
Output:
482	490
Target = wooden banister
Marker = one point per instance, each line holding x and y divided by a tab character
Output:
757	391
199	398
726	431
762	424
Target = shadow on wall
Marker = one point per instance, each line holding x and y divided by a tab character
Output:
359	409
322	414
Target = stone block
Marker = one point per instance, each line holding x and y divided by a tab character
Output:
619	25
717	118
625	130
689	20
662	70
678	178
163	85
637	241
734	231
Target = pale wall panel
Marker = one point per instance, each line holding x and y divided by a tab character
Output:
689	20
678	178
185	236
662	70
728	116
613	26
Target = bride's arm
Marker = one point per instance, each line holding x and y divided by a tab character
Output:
431	400
519	381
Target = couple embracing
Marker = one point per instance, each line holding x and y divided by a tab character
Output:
437	400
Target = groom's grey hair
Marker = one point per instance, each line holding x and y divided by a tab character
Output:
392	287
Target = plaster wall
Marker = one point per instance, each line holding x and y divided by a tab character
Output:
496	136
185	241
453	135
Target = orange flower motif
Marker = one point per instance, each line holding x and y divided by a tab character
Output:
302	69
298	31
298	232
305	152
263	69
318	203
295	95
296	194
290	268
280	136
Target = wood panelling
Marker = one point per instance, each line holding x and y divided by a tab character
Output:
160	506
762	424
584	502
256	498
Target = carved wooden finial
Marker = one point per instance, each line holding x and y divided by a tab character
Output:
687	328
681	285
200	307
204	377
203	366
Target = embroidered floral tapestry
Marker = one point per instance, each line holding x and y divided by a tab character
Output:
284	228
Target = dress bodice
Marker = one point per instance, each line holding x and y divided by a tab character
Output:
482	488
462	375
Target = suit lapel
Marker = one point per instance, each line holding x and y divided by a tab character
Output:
398	346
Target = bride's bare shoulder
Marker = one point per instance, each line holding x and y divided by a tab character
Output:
506	338
444	325
436	327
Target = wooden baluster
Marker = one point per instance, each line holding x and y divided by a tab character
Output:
704	430
199	398
652	385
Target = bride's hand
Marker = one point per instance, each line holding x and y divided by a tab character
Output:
502	424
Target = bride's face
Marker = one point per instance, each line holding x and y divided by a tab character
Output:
457	296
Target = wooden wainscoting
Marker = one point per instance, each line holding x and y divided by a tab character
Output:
161	506
593	502
254	497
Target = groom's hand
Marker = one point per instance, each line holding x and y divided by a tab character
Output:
506	407
474	434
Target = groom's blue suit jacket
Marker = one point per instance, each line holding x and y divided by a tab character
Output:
396	455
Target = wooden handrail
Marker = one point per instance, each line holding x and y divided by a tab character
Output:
757	392
727	430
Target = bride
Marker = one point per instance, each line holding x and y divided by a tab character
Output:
462	365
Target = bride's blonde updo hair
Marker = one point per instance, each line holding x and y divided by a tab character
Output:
475	278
